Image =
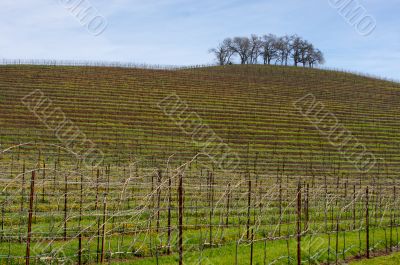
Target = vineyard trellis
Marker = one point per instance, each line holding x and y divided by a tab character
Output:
293	196
119	222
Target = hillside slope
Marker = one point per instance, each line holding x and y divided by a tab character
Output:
249	107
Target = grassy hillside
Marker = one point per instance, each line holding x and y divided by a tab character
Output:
249	107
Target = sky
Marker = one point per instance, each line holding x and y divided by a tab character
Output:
180	32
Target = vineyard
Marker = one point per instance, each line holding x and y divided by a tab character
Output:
286	195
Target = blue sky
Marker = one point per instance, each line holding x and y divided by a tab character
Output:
180	32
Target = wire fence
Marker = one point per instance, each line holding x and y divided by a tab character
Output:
117	64
69	214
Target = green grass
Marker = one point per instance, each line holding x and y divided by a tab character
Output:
393	259
276	251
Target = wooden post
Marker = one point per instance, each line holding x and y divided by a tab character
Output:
248	209
367	220
354	207
391	231
22	188
54	177
211	203
392	217
103	228
288	249
299	224
344	245
65	206
251	247
80	228
236	252
28	240
227	205
337	240
395	219
2	220
325	208
280	208
265	251
98	217
180	217
169	215
306	212
153	214
159	179
44	180
329	247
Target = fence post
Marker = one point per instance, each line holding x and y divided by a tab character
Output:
98	216
159	180
211	204
65	206
337	240
103	228
299	224
80	220
28	240
248	208
227	205
236	252
367	220
354	207
23	188
251	247
180	214
265	251
169	215
306	211
280	209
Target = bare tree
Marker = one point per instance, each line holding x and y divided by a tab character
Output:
255	49
269	48
306	49
316	57
242	47
223	52
268	51
296	45
283	47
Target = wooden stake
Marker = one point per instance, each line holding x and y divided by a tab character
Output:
211	203
65	206
98	216
227	205
367	221
23	188
180	217
251	247
44	179
159	179
103	241
28	240
298	224
169	215
80	228
248	209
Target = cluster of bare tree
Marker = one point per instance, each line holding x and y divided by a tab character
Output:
268	49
